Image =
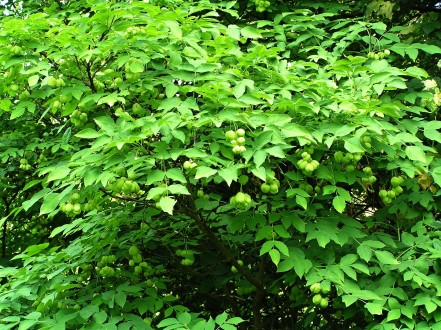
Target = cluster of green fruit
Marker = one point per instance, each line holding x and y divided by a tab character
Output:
233	268
261	5
55	82
366	141
387	196
78	118
296	295
119	112
370	178
307	164
104	267
379	55
188	256
24	165
91	205
318	291
99	85
124	186
202	194
138	110
241	200
135	31
15	50
136	261
41	159
86	270
348	159
271	186
73	206
189	164
308	188
237	140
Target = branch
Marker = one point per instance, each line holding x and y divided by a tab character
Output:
196	216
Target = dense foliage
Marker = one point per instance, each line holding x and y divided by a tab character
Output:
220	165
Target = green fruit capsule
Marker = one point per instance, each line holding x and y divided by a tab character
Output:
265	188
382	193
302	164
230	135
324	302
317	299
315	288
398	190
241	141
274	189
309	167
187	165
137	258
372	179
395	181
133	250
240	198
75	197
350	168
338	156
240	132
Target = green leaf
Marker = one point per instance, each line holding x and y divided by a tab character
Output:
393	314
167	204
375	308
33	80
184	318
50	203
178	189
100	317
281	247
259	158
221	318
58	173
275	256
17	112
120	298
204	172
436	174
136	67
353	145
339	203
416	153
27	204
175	29
285	266
230	173
385	257
88	133
173	174
250	32
266	247
302	201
